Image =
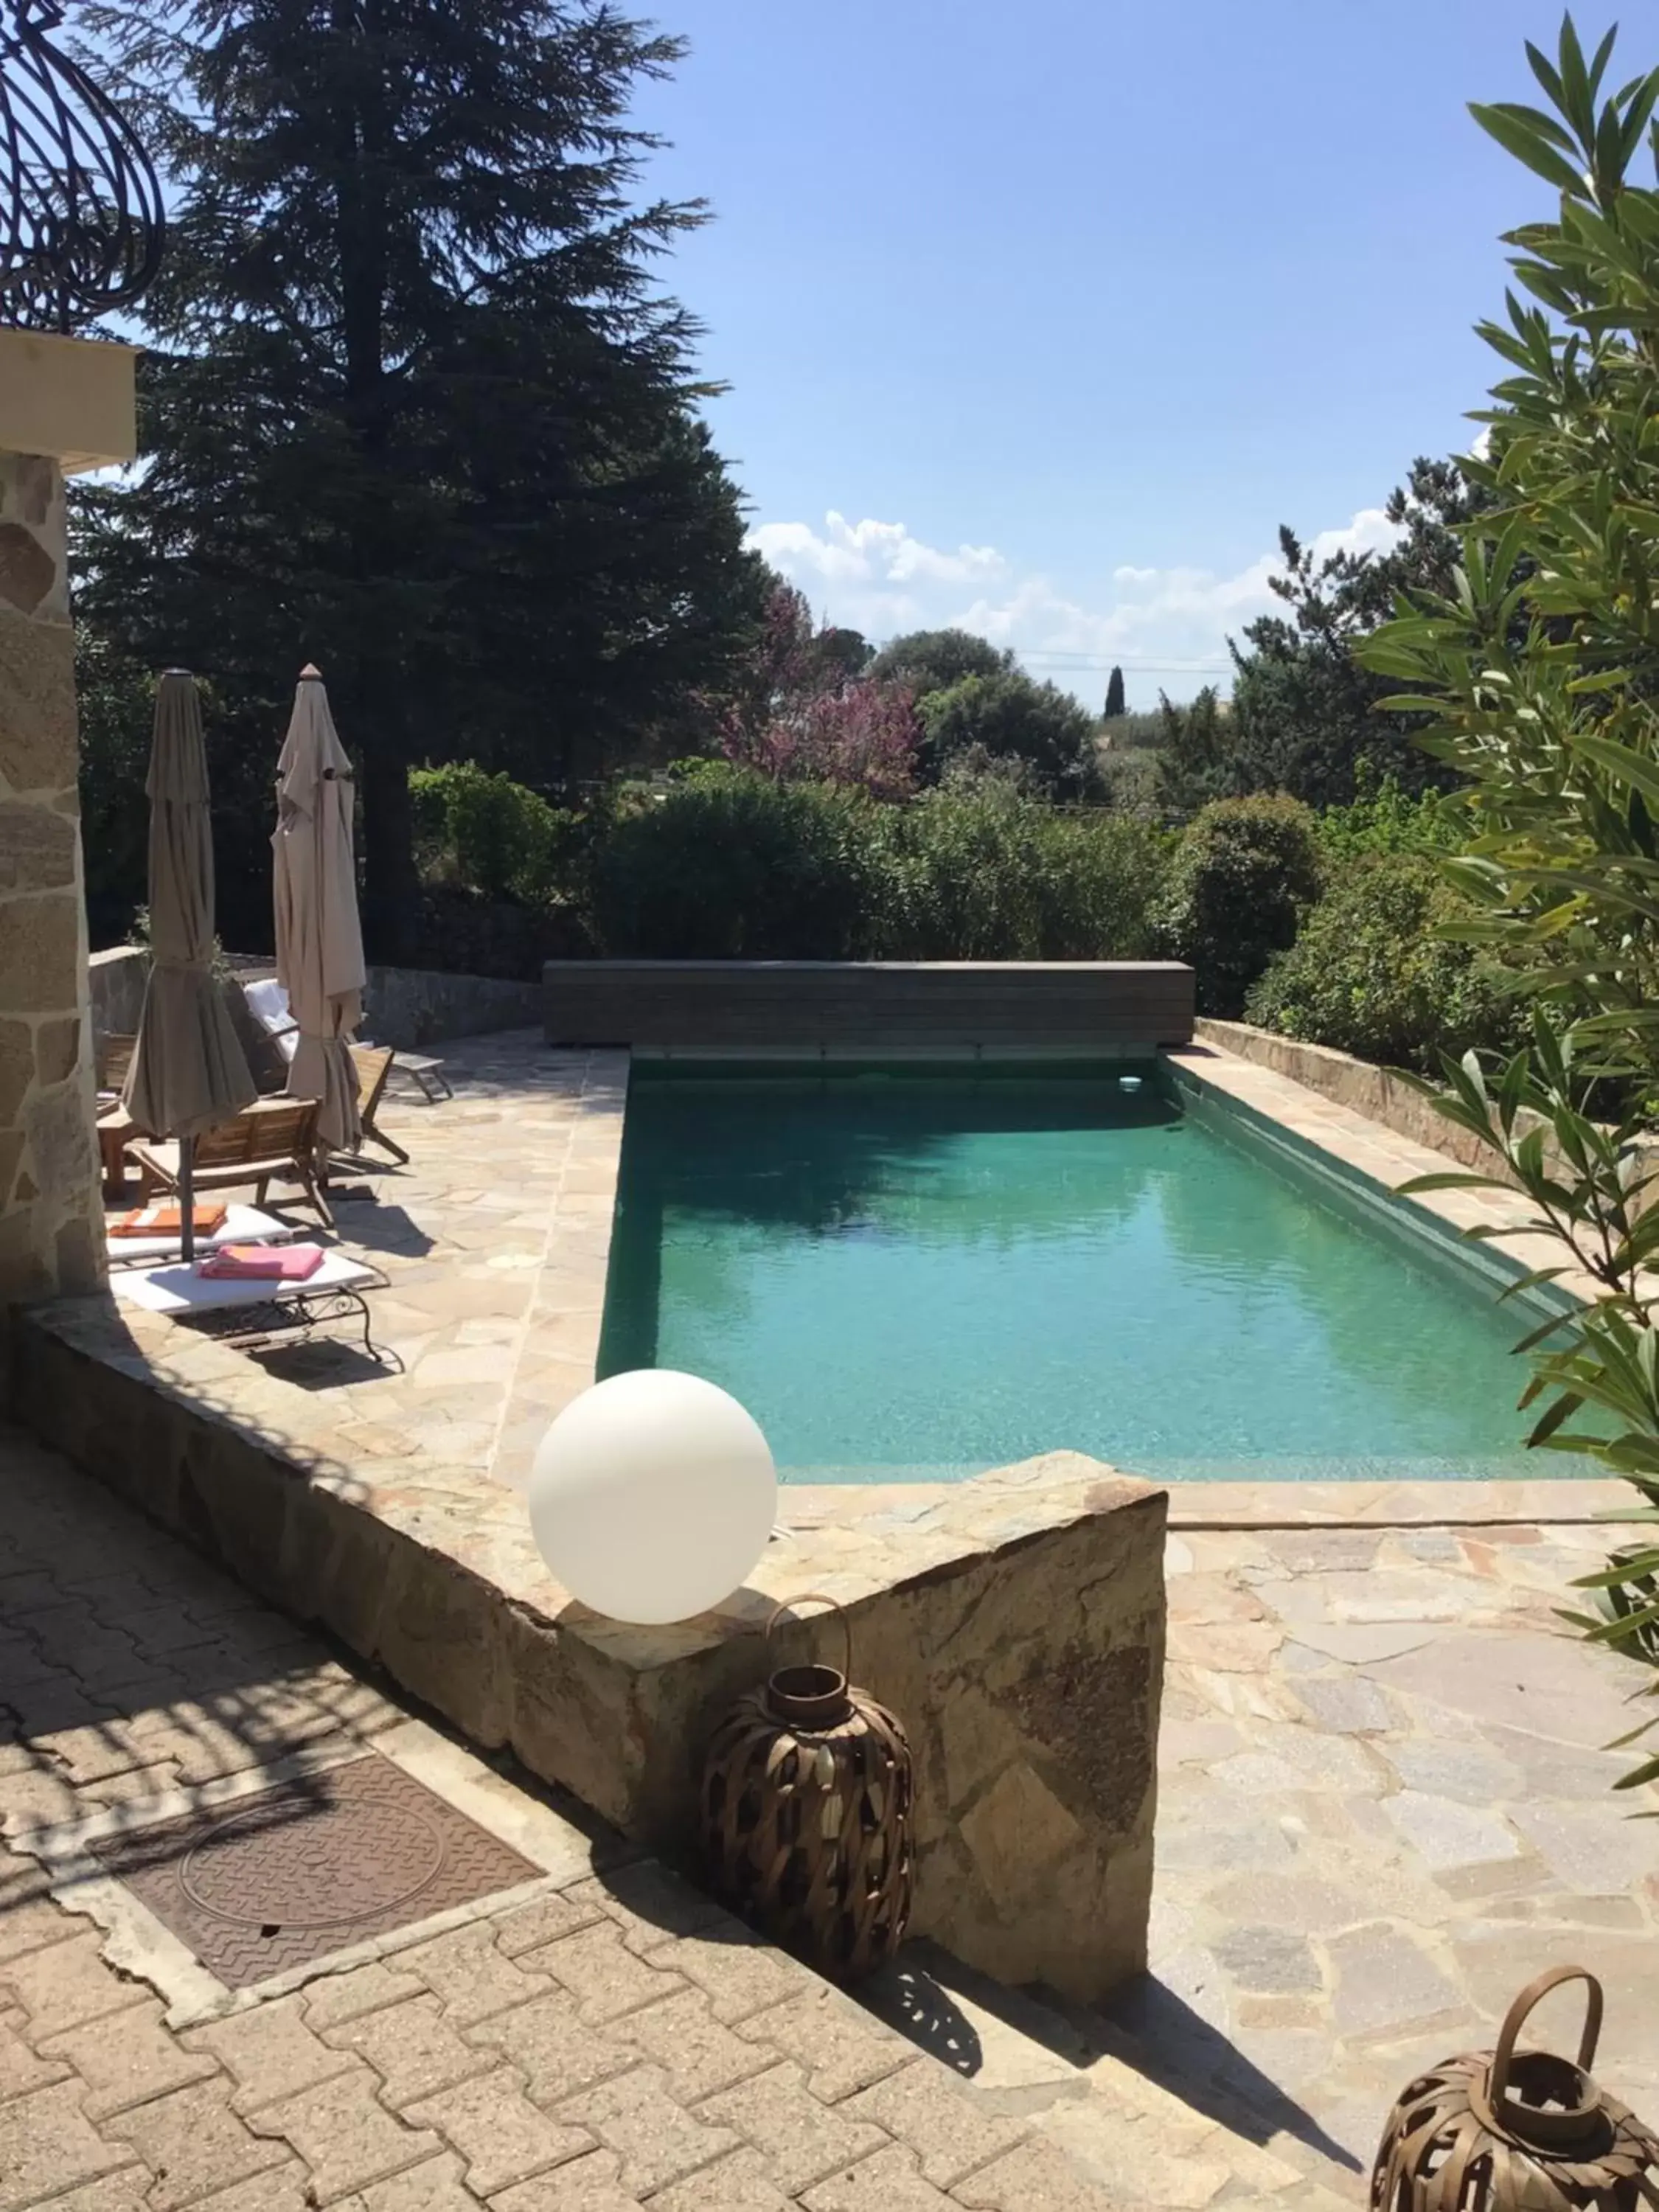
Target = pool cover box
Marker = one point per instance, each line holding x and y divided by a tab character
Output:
891	1007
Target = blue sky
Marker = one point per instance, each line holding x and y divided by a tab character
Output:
1044	318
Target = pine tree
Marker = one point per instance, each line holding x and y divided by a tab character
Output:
1115	704
415	408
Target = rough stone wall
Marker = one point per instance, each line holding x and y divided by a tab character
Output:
51	1235
415	1007
1381	1097
118	979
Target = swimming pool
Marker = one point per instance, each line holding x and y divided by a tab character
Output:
912	1275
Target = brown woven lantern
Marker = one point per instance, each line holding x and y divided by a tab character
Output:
1505	2130
806	1815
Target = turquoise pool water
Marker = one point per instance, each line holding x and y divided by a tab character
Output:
918	1277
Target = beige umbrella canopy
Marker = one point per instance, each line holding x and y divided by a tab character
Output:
319	942
189	1071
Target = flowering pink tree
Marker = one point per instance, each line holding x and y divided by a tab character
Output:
801	716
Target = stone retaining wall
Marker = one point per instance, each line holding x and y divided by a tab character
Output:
1015	1622
415	1007
1372	1091
117	979
408	1007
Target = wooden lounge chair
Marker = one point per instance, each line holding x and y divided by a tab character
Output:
373	1065
272	1141
113	1058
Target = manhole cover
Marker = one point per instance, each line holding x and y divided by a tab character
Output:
277	1880
257	1867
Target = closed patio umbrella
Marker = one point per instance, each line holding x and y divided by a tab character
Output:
319	941
189	1071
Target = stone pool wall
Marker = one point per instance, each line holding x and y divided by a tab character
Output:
1015	1622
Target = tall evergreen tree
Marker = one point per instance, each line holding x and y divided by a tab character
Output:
1305	710
414	407
1116	702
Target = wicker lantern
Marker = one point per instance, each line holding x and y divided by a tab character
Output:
1509	2131
806	1816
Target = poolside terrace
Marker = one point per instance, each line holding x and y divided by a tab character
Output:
1382	1798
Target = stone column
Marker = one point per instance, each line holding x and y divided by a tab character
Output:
65	403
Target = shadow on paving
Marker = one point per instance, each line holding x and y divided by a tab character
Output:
1158	2034
931	1999
130	1667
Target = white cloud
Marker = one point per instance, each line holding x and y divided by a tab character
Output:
1167	627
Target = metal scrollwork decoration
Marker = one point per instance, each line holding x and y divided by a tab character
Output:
82	223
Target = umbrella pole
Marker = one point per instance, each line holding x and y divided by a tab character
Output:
187	1197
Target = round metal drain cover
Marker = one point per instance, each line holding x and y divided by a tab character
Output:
278	1866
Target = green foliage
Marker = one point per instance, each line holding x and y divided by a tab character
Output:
1136	732
1372	972
1306	716
1128	782
1116	703
728	864
975	871
926	660
1195	753
490	833
1009	716
1590	1183
1539	664
115	701
412	403
1386	819
1243	874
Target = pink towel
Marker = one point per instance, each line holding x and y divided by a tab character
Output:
276	1263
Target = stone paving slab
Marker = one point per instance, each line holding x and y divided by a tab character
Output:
1384	1805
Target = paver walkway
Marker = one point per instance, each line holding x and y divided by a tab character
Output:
609	2041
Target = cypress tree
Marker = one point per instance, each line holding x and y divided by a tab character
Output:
414	407
1115	702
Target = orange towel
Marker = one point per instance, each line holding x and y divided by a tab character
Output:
168	1221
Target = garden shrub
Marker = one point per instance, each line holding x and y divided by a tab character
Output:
975	871
1243	874
1012	717
490	834
1369	975
726	865
1386	819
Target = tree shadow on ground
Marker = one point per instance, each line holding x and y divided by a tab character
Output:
377	1228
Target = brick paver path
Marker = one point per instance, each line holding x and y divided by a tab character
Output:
613	2043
